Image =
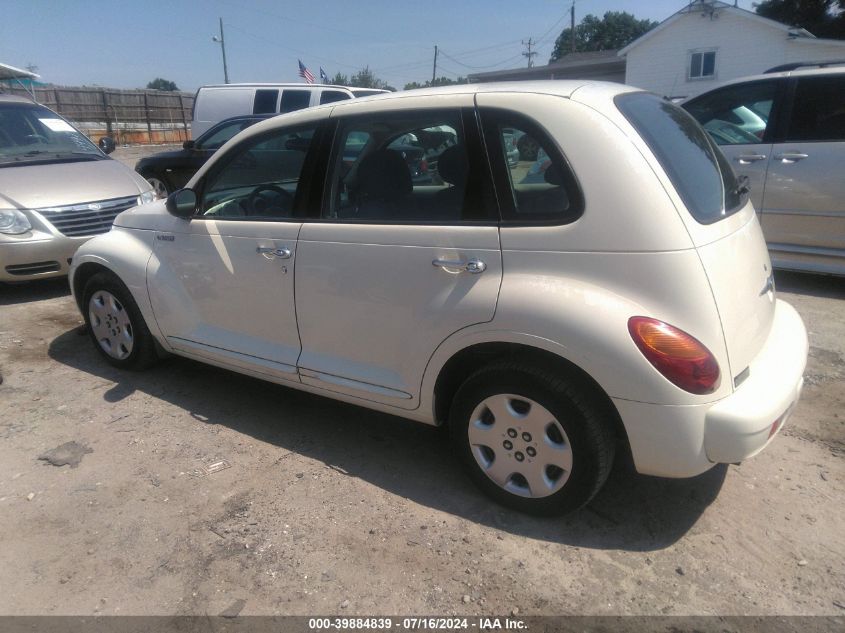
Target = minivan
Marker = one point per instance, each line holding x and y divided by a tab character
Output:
57	190
214	103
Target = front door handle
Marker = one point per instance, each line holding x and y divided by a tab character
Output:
747	159
473	266
791	157
271	252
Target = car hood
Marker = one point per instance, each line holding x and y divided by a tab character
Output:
62	184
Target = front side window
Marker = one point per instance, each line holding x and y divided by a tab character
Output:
260	180
414	167
737	114
702	65
295	100
698	170
818	111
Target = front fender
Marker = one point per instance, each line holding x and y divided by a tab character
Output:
124	252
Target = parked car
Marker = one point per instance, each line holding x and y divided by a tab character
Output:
214	103
57	189
785	131
169	171
624	304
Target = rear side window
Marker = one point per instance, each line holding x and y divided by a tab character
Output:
818	113
330	96
701	175
295	100
736	115
265	101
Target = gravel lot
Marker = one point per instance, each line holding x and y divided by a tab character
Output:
322	507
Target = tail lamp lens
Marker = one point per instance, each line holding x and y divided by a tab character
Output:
682	359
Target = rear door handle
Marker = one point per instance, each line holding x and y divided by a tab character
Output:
791	157
747	159
473	266
271	252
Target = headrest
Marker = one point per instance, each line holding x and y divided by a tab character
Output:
453	165
384	175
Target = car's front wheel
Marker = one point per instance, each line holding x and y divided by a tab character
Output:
116	325
532	439
160	186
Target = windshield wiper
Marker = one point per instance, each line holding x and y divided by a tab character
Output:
742	186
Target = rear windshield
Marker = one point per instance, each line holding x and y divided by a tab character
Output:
698	170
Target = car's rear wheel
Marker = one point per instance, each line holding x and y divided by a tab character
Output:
532	439
159	185
116	325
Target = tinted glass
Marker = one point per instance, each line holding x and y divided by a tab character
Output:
401	169
260	179
330	96
737	114
265	101
701	176
32	133
818	112
216	137
295	100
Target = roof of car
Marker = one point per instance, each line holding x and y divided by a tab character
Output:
4	98
800	72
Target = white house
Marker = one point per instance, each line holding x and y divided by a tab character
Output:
708	42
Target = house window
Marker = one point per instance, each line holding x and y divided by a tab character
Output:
702	65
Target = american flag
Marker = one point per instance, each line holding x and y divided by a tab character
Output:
305	73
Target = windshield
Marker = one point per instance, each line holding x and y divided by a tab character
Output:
31	133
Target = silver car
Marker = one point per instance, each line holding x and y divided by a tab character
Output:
785	131
57	189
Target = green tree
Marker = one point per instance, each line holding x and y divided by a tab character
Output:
339	79
822	18
615	30
162	84
440	81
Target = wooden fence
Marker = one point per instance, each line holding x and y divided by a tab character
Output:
128	116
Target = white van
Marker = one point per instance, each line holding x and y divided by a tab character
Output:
214	103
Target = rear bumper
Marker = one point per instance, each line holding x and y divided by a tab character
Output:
684	441
26	260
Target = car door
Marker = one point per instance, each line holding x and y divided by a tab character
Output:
222	284
804	206
396	263
742	120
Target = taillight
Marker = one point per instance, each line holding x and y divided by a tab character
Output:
678	356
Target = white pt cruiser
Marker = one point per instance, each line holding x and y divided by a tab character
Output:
608	291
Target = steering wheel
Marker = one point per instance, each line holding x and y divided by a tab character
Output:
261	205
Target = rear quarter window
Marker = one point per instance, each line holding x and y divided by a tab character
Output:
699	172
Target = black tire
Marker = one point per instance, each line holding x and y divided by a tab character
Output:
574	404
160	184
143	352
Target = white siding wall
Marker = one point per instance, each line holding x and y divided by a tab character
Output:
744	46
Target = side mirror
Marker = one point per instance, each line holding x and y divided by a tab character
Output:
189	145
106	144
182	203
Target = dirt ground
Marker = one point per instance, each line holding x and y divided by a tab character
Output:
320	507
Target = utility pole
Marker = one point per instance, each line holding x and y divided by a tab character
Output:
529	54
572	25
222	42
434	70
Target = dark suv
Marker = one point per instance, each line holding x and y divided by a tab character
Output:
785	130
169	171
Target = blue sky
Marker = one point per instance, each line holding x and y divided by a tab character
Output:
123	44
